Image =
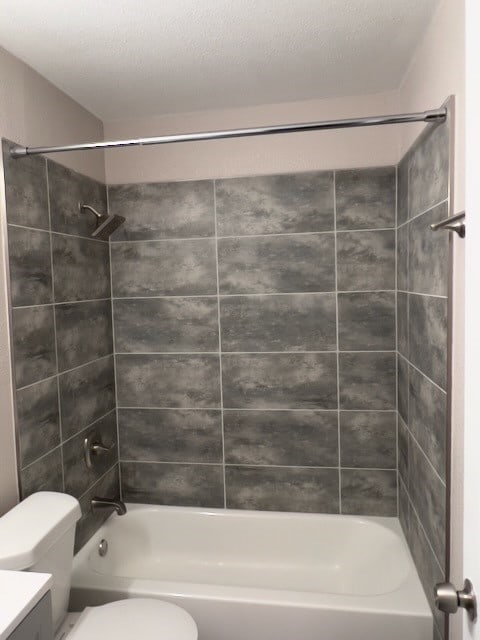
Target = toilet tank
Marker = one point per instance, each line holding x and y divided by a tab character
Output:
38	535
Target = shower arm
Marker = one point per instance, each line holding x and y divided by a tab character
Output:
82	207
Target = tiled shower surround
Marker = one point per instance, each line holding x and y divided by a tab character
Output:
236	384
423	277
62	333
257	326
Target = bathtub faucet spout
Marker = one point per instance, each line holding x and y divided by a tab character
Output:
105	503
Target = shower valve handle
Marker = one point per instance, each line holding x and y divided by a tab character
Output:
93	448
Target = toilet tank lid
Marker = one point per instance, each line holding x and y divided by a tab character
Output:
29	529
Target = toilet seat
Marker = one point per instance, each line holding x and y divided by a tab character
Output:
144	618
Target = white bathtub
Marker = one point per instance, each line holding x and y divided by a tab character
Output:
248	575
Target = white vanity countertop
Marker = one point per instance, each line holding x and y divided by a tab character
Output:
20	591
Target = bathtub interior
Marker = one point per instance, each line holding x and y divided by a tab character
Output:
343	555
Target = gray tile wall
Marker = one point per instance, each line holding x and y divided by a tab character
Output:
62	332
422	260
254	324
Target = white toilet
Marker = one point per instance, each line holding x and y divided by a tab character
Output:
38	535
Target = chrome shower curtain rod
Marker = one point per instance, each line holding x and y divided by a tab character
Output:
436	115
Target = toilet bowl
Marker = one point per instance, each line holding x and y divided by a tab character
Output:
38	535
124	619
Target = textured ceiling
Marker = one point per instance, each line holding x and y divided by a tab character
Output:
124	58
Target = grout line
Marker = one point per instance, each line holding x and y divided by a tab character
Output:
85	364
99	480
235	353
424	295
57	304
254	465
253	235
418	215
219	345
44	455
396	333
62	442
260	409
120	488
60	422
248	295
337	342
420	371
57	233
420	448
412	507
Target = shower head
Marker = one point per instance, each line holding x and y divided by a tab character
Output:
106	224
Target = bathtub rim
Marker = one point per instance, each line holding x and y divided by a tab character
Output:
408	599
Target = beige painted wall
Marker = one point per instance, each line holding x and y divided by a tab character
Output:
250	156
33	112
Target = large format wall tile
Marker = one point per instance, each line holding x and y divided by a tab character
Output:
67	189
403	446
175	267
291	438
81	268
84	332
402	323
78	477
277	264
428	336
368	439
189	485
169	324
369	492
91	521
279	323
38	420
402	190
427	493
290	203
43	475
402	258
33	344
366	321
163	210
365	198
25	189
280	381
428	418
30	267
183	381
427	565
429	170
180	435
428	254
86	394
367	380
366	260
282	489
402	384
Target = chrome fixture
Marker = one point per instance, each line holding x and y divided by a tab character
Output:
453	223
432	116
448	600
93	448
107	503
106	224
103	548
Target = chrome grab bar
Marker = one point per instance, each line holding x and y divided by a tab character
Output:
452	223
